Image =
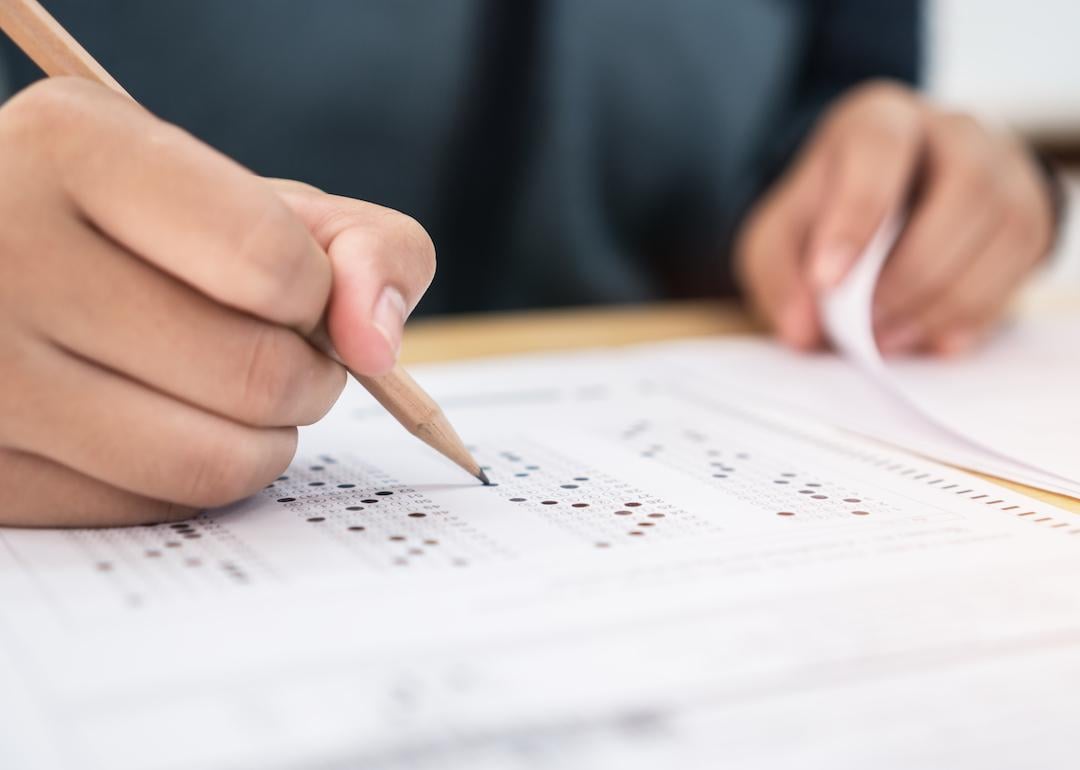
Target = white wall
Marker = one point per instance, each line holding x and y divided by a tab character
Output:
1013	61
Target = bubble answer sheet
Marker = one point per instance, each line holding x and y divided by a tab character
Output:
668	571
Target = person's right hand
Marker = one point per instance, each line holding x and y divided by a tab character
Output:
156	304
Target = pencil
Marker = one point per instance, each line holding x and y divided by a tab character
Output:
48	44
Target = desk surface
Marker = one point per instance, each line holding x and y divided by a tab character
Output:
460	337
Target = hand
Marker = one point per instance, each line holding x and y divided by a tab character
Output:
156	301
981	217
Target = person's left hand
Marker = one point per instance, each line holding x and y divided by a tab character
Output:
980	218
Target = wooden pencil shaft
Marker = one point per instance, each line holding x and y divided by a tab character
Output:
49	45
407	402
402	398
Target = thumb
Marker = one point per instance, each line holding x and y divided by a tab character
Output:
382	261
871	171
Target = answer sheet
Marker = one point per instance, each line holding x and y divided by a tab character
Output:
669	569
1009	408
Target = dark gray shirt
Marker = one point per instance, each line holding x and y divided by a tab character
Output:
559	151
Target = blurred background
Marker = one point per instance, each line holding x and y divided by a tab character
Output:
1018	63
1013	64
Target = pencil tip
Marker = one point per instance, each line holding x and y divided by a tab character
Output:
484	478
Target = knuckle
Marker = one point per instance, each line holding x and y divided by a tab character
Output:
295	185
47	105
977	175
213	470
327	393
230	466
950	133
271	382
273	255
415	241
399	243
970	155
336	221
890	128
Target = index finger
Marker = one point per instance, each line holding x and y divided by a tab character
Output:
185	208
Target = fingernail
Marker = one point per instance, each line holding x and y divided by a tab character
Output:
830	265
899	339
389	316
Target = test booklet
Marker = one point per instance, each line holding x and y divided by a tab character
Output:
695	555
1010	410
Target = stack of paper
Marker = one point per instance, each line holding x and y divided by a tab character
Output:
1013	404
671	571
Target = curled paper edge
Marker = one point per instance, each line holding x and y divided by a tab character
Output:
847	316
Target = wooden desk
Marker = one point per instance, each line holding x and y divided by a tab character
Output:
460	337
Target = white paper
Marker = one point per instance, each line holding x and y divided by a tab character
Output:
1011	409
905	614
